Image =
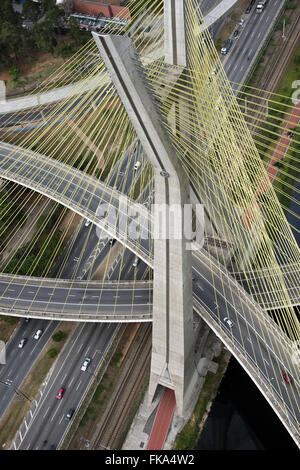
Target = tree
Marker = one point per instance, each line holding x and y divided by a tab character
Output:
75	32
14	71
52	352
31	10
58	336
44	36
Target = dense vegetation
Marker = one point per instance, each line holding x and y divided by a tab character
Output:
39	28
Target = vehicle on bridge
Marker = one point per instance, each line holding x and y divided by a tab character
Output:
287	378
228	321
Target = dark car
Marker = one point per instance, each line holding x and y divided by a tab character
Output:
60	394
248	9
291	134
69	414
286	378
236	33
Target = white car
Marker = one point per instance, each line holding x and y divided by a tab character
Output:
87	222
38	334
85	364
137	165
135	262
21	343
229	322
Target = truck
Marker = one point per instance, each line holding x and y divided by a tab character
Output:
261	6
227	46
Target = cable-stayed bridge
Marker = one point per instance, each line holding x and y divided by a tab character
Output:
206	131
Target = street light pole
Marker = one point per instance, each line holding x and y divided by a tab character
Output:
283	29
16	390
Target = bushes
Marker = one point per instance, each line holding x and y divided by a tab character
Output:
52	352
58	336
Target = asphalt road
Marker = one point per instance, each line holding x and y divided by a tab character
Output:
248	330
20	361
239	59
201	289
49	422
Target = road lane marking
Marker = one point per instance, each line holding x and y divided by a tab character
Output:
78	385
46	411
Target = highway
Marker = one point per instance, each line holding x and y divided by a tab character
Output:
252	35
220	299
19	361
81	193
49	421
209	301
16	368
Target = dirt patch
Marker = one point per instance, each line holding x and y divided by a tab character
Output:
127	339
230	23
7	327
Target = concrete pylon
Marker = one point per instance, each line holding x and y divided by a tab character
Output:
174	32
173	341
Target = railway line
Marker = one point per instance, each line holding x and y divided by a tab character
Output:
273	73
113	423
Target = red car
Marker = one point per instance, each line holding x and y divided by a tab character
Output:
286	378
61	391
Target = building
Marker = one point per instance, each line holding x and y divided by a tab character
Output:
96	16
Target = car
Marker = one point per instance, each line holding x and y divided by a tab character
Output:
112	241
87	222
38	334
137	165
27	320
135	262
70	414
86	364
248	9
236	33
21	343
60	394
227	46
286	378
291	134
229	322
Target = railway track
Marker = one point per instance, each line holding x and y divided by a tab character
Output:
114	420
274	73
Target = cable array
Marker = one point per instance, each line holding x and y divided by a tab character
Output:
236	150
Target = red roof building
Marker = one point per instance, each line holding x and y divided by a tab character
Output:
94	9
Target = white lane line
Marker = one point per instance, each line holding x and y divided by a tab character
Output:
55	411
46	411
78	385
71	381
